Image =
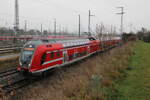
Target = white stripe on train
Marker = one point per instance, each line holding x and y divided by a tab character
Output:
64	64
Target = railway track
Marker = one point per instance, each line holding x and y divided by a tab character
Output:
11	80
9	48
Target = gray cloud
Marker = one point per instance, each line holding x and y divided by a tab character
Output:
66	12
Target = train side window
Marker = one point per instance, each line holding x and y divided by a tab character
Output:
52	55
58	54
43	59
70	57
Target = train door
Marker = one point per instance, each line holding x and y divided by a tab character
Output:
88	49
65	56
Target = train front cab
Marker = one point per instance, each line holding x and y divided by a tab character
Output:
25	60
46	57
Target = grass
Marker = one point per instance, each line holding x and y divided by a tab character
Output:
136	86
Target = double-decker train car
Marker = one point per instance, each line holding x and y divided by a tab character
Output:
38	56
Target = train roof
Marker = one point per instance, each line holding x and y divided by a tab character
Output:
65	43
75	42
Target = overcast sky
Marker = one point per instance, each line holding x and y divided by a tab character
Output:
66	12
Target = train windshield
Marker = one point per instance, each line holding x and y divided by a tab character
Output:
26	57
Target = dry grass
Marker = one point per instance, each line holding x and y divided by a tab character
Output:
8	63
86	80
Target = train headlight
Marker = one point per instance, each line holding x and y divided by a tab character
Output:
20	63
29	65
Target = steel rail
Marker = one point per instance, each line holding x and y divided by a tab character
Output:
11	80
17	84
10	49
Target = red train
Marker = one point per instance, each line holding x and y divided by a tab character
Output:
39	56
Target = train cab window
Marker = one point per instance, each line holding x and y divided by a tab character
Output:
52	55
26	57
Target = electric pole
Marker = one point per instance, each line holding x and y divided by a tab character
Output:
60	31
111	32
114	32
41	29
79	27
49	29
16	25
121	13
16	22
89	26
131	27
25	25
55	27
